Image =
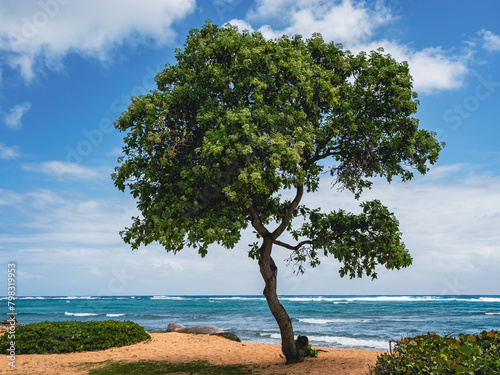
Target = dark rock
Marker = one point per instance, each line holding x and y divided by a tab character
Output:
203	330
227	335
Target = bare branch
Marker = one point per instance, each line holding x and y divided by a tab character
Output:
289	212
316	157
294	248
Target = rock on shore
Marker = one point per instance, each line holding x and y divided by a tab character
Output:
204	330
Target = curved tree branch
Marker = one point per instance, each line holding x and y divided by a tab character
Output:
289	212
316	157
257	223
293	248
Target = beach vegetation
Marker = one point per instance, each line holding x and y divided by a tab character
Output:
240	127
73	336
163	367
435	354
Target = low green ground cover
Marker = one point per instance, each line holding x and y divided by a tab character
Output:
163	367
72	336
433	354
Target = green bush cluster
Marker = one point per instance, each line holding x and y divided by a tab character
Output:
72	336
434	354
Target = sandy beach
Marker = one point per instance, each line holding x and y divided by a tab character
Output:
182	347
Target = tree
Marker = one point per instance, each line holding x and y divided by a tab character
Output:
239	119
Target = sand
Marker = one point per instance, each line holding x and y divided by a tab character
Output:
183	347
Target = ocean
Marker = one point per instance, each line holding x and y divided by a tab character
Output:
362	322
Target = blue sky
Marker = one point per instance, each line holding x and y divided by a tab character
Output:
68	68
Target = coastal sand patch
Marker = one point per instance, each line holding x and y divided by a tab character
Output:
184	347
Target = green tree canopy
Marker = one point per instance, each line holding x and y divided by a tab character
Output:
239	119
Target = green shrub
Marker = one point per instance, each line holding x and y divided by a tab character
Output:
72	336
433	354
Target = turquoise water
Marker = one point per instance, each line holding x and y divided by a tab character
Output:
364	322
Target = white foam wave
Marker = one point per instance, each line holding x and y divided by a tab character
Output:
349	342
345	300
422	299
493	313
326	321
339	300
78	297
168	298
272	335
489	299
115	315
395	298
29	298
312	299
339	341
79	314
238	298
319	321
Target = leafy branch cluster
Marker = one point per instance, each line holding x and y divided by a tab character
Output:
434	354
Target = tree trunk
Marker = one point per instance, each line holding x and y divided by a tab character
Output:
269	272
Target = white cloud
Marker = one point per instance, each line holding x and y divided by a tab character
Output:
491	42
432	69
241	24
447	218
344	21
13	119
448	222
7	152
270	9
449	225
167	265
72	243
37	35
447	171
115	151
354	24
62	218
64	171
10	198
27	276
